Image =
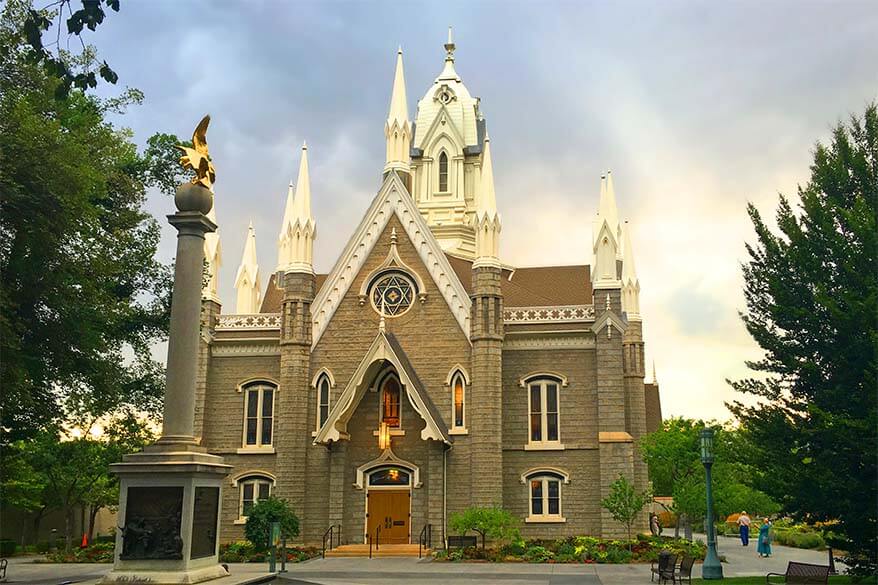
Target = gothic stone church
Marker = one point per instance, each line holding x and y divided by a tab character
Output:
423	375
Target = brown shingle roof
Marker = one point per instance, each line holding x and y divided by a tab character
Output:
537	286
273	295
653	407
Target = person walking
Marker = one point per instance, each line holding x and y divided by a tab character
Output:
764	544
744	528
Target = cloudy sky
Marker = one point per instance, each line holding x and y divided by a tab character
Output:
696	107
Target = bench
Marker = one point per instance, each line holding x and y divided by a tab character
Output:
802	573
461	541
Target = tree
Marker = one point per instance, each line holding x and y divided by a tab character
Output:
83	299
55	472
811	296
624	503
494	522
673	455
263	514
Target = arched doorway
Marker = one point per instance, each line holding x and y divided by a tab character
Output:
389	504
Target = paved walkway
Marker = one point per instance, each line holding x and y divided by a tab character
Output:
392	571
24	570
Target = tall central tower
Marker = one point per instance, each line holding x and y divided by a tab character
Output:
449	136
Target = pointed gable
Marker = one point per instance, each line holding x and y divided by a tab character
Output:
392	200
384	349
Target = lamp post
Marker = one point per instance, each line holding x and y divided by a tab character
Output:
712	568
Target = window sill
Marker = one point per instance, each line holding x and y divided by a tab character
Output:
255	451
458	431
240	521
544	447
545	520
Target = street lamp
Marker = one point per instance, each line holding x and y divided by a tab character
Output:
712	568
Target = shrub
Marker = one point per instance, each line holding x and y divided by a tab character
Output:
494	523
7	547
794	538
538	554
263	514
43	547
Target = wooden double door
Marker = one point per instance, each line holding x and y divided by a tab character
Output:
391	510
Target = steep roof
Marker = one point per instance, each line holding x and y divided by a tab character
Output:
537	286
653	407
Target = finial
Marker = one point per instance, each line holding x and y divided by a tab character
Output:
304	145
654	378
608	301
393	237
449	47
399	50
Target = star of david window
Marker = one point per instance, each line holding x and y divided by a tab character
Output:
395	291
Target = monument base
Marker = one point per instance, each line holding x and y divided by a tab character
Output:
169	510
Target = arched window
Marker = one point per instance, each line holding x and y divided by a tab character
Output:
252	489
390	403
544	496
543	409
443	172
322	400
458	402
258	414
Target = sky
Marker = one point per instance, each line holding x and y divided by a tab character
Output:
697	107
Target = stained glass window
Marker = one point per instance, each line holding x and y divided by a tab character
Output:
389	476
393	293
390	402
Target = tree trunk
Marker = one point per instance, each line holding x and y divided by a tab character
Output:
677	526
93	511
38	519
68	529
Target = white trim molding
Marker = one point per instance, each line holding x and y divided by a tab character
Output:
243	349
558	314
248	322
249	473
540	343
392	199
387	458
540	374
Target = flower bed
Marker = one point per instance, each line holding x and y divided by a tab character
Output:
579	549
99	552
243	551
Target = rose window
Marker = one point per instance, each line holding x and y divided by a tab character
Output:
393	294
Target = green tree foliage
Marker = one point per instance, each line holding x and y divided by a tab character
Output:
625	503
54	472
83	299
262	514
494	523
812	306
673	455
56	62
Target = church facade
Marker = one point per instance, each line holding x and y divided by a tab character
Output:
423	375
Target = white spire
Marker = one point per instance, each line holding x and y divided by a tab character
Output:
398	129
448	72
654	377
605	238
214	258
247	280
487	219
298	230
630	282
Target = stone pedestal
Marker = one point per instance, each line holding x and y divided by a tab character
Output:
169	503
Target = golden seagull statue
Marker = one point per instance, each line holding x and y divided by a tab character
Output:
198	158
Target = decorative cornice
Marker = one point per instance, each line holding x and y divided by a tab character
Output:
244	350
248	322
536	343
559	314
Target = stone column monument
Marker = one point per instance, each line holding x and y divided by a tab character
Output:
170	493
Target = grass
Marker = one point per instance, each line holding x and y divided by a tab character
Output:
833	580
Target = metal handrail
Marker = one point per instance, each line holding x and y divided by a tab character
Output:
325	534
369	538
377	536
425	538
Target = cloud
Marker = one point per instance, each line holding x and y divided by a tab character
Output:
697	109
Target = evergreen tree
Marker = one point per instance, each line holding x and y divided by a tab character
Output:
812	304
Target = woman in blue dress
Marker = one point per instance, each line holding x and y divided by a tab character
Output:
764	545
